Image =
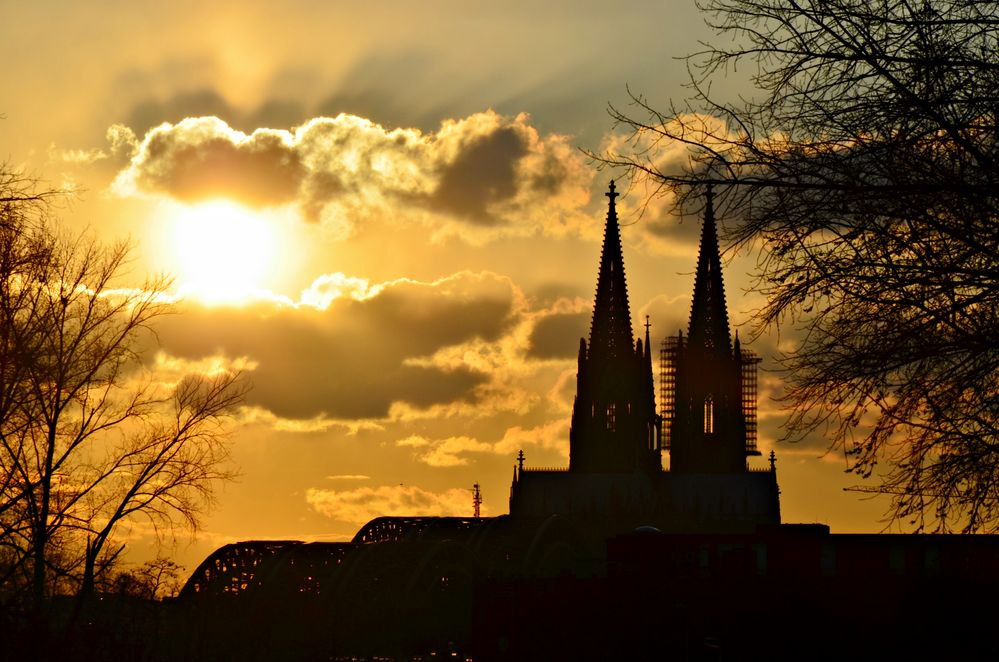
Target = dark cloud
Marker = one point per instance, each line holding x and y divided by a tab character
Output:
355	358
479	176
398	89
685	228
202	158
152	112
317	190
484	173
572	99
549	178
445	314
666	225
557	336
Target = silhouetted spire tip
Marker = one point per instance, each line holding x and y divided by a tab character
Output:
708	315
610	329
709	204
611	194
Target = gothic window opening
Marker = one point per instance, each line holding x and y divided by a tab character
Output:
611	415
709	415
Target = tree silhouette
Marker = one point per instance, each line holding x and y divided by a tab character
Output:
89	437
864	171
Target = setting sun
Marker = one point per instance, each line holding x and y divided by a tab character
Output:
225	251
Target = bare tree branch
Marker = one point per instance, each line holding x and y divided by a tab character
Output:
865	173
89	441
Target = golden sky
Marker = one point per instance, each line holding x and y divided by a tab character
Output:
379	210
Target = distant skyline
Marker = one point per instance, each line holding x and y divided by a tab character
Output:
379	211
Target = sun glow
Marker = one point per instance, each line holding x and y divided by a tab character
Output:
225	251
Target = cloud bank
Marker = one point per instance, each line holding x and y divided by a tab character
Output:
478	177
357	354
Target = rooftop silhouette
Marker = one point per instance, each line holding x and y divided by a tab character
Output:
614	556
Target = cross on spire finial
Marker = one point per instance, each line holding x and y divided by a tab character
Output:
647	325
612	193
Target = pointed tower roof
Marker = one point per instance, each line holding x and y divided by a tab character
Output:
610	330
708	313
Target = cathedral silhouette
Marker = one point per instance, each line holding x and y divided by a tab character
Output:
614	556
707	421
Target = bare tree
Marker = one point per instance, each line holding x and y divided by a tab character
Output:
864	170
166	472
157	579
24	247
89	439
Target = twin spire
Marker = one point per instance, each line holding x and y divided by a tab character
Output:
610	330
615	427
708	312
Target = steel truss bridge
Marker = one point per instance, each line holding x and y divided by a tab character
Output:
401	579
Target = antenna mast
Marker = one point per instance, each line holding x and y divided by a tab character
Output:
476	500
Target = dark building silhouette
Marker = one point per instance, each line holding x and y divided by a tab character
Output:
615	428
711	412
614	556
615	481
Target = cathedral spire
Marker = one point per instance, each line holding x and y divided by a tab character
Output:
708	314
613	416
610	330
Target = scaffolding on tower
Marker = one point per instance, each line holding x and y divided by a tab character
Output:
750	388
668	351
